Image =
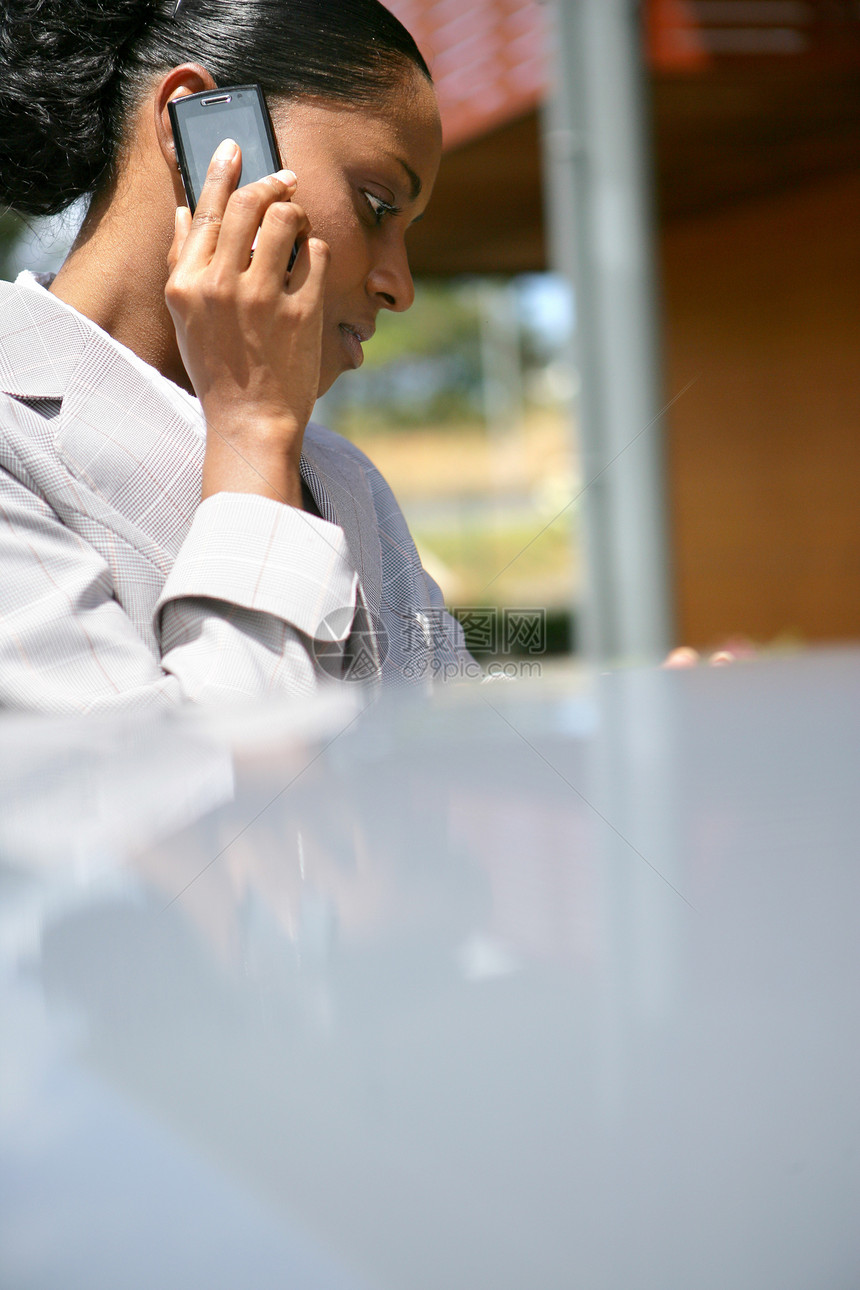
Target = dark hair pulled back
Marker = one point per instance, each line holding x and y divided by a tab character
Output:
72	73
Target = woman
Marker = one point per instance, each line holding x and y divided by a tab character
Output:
157	547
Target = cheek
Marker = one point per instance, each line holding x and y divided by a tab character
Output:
341	229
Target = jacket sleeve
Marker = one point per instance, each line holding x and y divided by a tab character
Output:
259	601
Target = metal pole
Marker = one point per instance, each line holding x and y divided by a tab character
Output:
600	235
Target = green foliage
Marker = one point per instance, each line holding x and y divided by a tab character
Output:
10	229
443	318
449	411
422	367
509	560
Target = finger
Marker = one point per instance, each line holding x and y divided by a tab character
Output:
244	215
284	226
310	269
684	656
181	225
722	658
221	178
740	648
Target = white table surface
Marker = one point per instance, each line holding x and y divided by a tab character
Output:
539	986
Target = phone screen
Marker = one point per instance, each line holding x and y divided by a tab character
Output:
202	121
206	131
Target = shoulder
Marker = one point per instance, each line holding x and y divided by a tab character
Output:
41	340
334	444
402	567
336	449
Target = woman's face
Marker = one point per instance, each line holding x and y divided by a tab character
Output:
364	175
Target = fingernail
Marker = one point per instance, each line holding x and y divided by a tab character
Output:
286	177
226	151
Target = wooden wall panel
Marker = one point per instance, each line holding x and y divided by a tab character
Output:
762	307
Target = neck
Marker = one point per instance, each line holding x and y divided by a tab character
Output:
115	275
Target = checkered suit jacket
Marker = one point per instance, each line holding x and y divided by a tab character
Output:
119	589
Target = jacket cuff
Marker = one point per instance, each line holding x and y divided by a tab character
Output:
260	554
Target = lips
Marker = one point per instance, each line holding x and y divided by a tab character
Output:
353	339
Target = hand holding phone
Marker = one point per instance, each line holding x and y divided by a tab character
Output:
249	330
201	121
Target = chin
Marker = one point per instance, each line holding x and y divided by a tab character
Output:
326	381
330	372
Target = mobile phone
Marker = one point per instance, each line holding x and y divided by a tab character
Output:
201	121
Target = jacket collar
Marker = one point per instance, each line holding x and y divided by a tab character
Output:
120	434
41	341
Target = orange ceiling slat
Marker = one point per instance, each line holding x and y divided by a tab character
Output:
486	56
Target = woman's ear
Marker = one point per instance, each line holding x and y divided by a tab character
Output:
189	78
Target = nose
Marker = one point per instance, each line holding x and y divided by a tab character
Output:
390	280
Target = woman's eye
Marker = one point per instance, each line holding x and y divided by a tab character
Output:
379	208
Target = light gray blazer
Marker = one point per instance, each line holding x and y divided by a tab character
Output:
119	589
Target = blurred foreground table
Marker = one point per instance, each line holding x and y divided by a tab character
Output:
533	986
